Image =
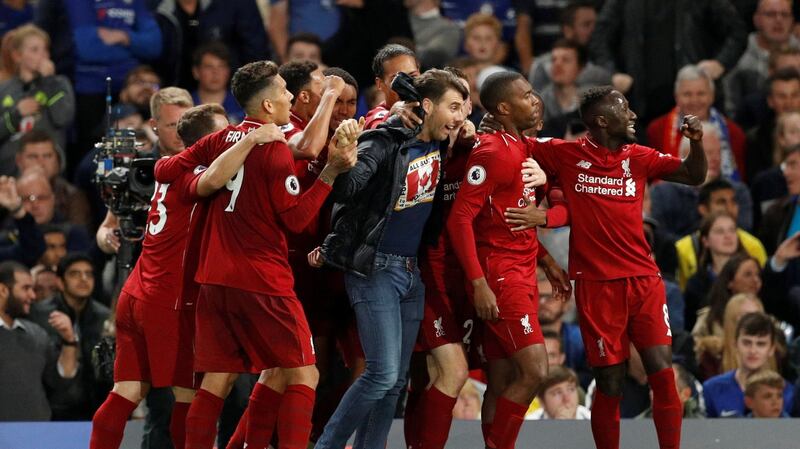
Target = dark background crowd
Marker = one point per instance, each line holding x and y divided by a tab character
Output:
726	249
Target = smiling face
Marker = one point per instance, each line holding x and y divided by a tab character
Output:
345	106
747	278
443	116
694	97
619	118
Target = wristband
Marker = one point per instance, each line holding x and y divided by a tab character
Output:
69	343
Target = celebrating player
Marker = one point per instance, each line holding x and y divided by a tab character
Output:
501	263
619	293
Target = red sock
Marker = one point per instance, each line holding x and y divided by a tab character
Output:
201	421
262	414
437	415
108	424
508	419
237	439
605	420
667	409
294	417
486	428
177	424
411	417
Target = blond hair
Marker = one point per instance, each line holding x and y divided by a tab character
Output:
169	95
730	320
483	19
765	377
13	40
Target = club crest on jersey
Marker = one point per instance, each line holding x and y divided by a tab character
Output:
292	185
286	128
526	325
630	187
626	168
476	175
199	169
421	180
584	165
437	325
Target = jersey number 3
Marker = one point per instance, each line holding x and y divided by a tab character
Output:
160	193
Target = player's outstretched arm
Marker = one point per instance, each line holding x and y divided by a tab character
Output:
228	163
310	142
693	169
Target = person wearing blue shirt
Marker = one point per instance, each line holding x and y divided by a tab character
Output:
287	18
211	68
14	14
755	347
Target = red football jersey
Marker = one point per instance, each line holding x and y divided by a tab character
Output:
477	226
244	240
158	274
605	190
376	116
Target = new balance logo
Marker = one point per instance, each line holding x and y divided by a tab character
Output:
437	324
584	165
601	347
630	187
526	325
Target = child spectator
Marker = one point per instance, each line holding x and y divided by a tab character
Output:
763	395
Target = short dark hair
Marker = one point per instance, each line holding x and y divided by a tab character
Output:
567	17
556	375
756	324
297	75
580	50
138	70
198	122
456	71
35	136
343	74
70	260
386	53
495	89
308	38
251	79
710	187
784	74
52	228
214	48
434	83
7	271
591	98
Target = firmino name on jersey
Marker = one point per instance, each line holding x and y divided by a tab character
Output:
604	185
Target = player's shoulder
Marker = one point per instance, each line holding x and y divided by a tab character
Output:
638	150
496	141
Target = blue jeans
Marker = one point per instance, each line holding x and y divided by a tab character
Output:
389	306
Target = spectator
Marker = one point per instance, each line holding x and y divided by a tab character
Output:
560	99
694	95
639	42
537	28
25	242
674	206
719	243
36	376
304	46
558	395
471	68
37	150
76	282
45	282
483	39
784	96
14	13
56	240
754	108
740	275
685	383
111	38
780	232
660	249
52	17
755	345
763	395
437	38
505	10
769	185
140	85
469	402
211	68
290	17
551	319
33	98
577	24
774	21
717	195
236	23
39	201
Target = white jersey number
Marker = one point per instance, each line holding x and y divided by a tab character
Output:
160	193
234	185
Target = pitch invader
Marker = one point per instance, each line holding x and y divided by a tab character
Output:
619	293
500	263
248	318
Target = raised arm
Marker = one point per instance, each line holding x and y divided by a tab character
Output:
310	142
693	169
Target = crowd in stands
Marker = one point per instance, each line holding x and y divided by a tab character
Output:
729	250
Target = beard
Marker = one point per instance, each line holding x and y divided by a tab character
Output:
15	308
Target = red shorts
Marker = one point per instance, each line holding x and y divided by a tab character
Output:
518	324
240	331
614	313
154	343
448	314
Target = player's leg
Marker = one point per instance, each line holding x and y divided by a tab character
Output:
181	367
605	407
652	336
177	423
419	379
297	406
201	419
499	375
108	423
450	365
257	424
530	365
